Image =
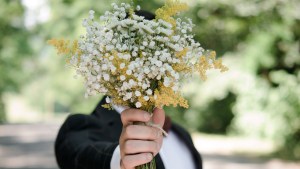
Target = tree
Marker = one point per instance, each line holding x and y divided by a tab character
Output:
261	44
14	49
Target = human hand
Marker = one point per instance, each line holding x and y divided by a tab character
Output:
139	143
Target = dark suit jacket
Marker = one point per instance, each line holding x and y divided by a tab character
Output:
88	141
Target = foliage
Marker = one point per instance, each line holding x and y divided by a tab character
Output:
14	49
212	120
263	38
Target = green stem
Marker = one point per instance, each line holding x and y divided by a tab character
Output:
150	165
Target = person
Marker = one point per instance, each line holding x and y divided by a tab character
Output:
108	139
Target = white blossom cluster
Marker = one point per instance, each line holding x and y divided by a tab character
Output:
133	54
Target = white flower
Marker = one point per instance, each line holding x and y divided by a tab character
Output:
114	41
122	65
124	47
129	72
144	86
128	95
131	66
152	43
146	70
158	63
138	93
106	77
126	57
122	77
138	104
146	98
132	82
109	47
96	86
140	77
134	54
145	43
149	92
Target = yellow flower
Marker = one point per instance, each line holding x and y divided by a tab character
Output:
63	47
182	53
165	96
208	62
171	8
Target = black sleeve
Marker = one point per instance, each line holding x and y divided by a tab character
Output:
84	143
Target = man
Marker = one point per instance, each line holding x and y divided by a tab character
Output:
108	139
94	142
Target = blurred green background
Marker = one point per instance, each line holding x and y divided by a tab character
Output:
259	40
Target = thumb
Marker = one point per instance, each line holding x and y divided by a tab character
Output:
158	116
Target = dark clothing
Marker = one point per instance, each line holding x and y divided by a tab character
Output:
88	141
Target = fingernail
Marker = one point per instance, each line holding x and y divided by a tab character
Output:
149	156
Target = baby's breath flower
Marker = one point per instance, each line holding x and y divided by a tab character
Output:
122	77
149	92
122	65
146	98
138	104
138	93
138	62
129	72
106	77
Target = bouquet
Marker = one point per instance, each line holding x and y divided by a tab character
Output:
137	62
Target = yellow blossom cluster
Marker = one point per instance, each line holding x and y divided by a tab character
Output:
166	97
171	8
65	47
209	62
182	53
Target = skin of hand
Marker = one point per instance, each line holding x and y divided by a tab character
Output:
140	143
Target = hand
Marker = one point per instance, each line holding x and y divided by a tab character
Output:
139	143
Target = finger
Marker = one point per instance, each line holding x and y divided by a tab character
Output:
138	132
131	161
133	115
158	116
140	146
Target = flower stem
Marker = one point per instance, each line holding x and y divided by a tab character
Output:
150	165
